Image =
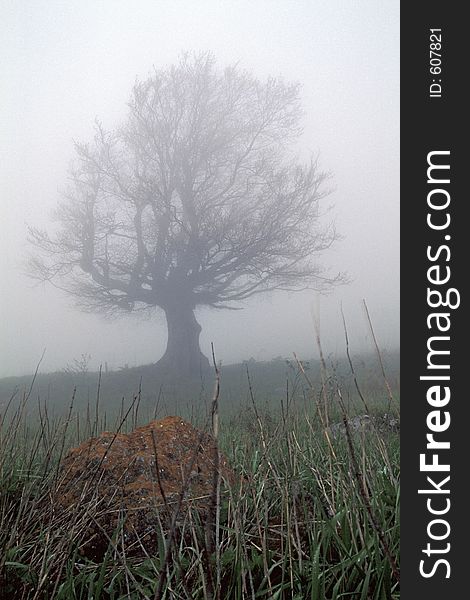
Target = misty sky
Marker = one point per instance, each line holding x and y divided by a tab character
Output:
66	63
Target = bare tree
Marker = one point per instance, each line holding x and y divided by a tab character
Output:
195	200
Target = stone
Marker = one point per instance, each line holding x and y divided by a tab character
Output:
360	424
138	480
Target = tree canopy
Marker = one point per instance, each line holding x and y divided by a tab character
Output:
196	199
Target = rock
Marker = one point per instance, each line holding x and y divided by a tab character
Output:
114	477
387	422
364	423
361	423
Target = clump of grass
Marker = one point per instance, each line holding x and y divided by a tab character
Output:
312	515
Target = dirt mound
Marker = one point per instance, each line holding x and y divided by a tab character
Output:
138	480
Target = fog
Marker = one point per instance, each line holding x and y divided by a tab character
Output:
65	64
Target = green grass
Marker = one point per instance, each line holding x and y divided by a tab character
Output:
316	517
190	398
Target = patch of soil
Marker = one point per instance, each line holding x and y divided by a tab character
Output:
138	480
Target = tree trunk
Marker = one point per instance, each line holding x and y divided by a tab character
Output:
183	355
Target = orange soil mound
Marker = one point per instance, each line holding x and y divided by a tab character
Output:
138	478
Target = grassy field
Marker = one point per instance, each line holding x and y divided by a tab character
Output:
316	515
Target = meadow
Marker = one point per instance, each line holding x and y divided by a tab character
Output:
316	515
